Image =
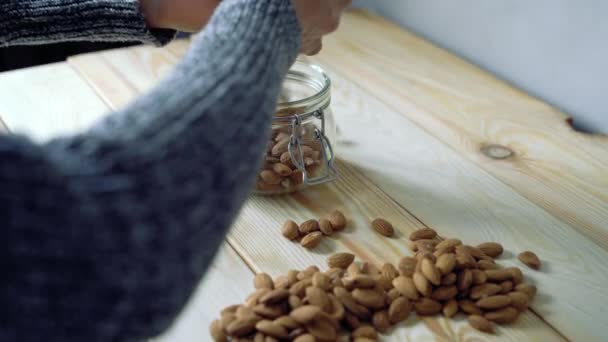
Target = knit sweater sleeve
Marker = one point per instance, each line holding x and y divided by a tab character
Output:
107	233
32	22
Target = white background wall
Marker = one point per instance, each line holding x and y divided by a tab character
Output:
554	49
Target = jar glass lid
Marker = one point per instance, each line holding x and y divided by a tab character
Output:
305	87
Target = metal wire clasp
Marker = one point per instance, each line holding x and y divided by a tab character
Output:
327	151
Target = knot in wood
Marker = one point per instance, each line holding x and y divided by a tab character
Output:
496	151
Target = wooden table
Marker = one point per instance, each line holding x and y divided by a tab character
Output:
425	139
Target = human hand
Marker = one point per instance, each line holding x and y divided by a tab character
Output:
318	18
182	15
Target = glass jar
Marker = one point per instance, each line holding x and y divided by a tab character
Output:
299	153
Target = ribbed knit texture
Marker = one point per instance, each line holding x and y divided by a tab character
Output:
30	22
106	234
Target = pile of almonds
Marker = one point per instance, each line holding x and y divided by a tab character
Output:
359	300
279	174
310	233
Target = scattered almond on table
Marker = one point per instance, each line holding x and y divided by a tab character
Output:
311	232
361	301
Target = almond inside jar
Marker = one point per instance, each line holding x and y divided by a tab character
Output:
302	120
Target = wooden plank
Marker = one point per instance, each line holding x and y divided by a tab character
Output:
454	196
555	167
254	237
35	101
228	281
121	86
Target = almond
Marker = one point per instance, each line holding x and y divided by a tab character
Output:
492	249
383	227
494	302
305	314
340	260
464	259
476	252
516	275
217	332
498	275
407	266
448	243
287	322
337	220
479	277
240	327
484	290
371	299
504	315
446	263
426	245
281	282
391	295
450	308
285	159
427	306
279	148
350	304
269	311
486	265
383	283
351	320
317	297
272	329
365	331
308	272
519	300
528	289
422	284
309	226
426	233
253	298
444	293
270	177
481	324
469	307
305	338
411	245
299	288
381	321
290	230
322	330
362	281
389	271
506	286
227	319
263	281
353	269
321	281
325	227
529	259
274	296
311	240
369	269
465	279
428	269
449	279
294	302
282	169
336	311
406	286
399	310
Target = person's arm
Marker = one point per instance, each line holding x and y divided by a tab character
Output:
31	22
106	234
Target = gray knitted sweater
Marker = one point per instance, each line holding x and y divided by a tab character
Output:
105	234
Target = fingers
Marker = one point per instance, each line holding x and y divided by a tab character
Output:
313	47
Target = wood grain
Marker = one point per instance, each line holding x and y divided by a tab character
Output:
560	170
451	194
228	281
35	101
255	236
